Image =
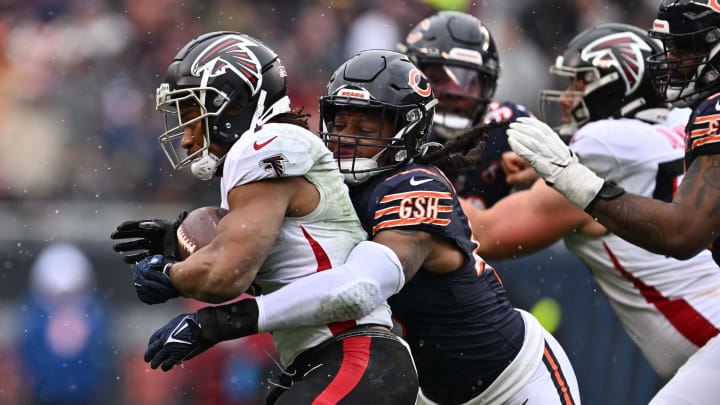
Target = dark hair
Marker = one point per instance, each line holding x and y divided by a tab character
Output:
464	151
295	118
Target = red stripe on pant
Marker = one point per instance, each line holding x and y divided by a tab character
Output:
356	356
686	320
323	262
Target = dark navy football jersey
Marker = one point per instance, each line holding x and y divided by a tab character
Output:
483	184
702	137
462	329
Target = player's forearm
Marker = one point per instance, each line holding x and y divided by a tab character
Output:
518	225
209	275
680	229
516	238
654	225
492	244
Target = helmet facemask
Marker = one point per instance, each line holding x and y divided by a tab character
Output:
566	110
392	149
170	104
463	95
684	71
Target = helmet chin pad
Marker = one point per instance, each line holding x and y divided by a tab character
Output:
359	170
204	167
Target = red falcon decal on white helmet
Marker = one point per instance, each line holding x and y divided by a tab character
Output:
623	51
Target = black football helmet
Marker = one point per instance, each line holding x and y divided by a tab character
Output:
237	82
457	53
687	70
609	62
388	83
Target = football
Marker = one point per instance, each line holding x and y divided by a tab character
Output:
198	229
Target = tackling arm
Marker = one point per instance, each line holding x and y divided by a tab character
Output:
681	228
373	272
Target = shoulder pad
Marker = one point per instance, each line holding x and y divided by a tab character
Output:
703	130
276	150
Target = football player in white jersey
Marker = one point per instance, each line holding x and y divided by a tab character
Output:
471	346
290	216
611	113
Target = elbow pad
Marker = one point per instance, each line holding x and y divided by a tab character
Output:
371	274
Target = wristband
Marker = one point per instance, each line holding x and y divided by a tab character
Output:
227	322
609	191
166	268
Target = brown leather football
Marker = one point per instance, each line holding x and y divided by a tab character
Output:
198	229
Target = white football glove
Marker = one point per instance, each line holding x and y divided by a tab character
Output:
537	143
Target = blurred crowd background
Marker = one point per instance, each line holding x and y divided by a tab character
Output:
78	140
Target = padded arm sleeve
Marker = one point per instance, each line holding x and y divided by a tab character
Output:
371	274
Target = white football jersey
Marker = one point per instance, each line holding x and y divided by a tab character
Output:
669	307
305	245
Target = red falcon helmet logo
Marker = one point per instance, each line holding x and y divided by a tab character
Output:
230	52
623	51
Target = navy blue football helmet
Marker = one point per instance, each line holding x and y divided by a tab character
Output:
687	70
386	83
457	53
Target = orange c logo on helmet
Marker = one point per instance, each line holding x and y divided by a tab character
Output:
714	5
415	79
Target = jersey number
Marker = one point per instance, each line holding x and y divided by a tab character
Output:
667	179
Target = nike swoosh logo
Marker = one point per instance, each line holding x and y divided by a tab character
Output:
717	106
181	326
566	164
259	146
414	182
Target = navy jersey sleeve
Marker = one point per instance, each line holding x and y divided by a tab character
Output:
703	130
419	198
497	140
484	182
505	111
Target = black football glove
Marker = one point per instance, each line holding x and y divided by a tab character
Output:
156	236
179	340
